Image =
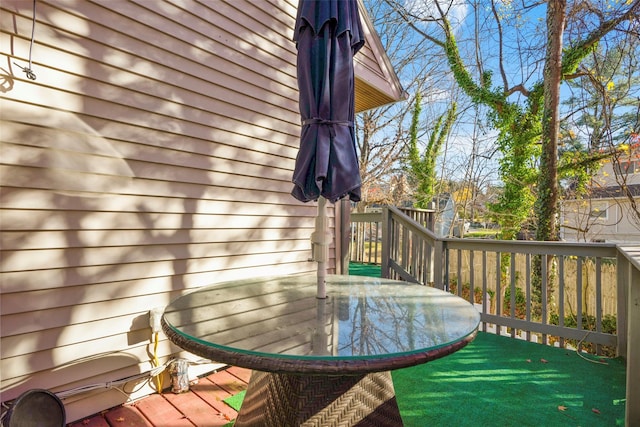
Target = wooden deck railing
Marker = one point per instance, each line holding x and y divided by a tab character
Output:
628	275
366	237
366	232
585	296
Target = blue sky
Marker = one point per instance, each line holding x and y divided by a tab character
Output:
524	59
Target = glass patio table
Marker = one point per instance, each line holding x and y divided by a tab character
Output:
317	361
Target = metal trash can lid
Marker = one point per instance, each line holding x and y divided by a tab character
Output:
36	408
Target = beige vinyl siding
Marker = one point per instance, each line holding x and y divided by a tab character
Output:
619	226
152	155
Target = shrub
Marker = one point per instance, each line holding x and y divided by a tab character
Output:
588	324
477	291
521	303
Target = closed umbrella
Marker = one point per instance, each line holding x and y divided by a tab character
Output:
327	33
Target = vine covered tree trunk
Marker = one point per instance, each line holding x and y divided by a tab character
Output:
547	202
422	166
546	205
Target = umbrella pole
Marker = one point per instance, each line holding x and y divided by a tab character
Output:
320	240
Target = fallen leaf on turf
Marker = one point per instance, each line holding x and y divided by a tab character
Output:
563	409
595	410
544	360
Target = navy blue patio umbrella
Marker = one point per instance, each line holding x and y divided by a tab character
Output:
327	34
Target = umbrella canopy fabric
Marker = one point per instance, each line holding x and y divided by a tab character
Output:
327	34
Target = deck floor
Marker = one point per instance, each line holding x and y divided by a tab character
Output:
512	377
201	406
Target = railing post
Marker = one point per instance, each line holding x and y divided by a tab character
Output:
430	223
439	263
628	325
622	271
386	241
628	331
343	238
632	417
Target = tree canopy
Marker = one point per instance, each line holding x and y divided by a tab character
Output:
496	53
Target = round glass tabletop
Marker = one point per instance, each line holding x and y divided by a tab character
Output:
362	318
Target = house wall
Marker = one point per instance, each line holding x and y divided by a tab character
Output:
628	169
581	220
603	217
152	155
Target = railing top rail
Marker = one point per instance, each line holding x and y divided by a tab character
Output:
603	250
366	216
632	254
417	210
413	225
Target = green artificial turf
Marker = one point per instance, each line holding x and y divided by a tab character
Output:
356	269
501	381
235	401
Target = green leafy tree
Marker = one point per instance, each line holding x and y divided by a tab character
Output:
527	130
523	126
518	129
422	166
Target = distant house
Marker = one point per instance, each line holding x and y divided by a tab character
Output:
152	154
607	213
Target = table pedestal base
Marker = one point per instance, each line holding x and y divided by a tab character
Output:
281	400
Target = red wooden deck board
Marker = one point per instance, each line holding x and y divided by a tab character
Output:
229	382
126	416
214	395
197	410
243	373
94	421
160	412
201	406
